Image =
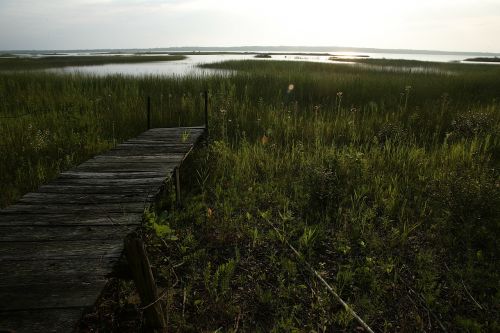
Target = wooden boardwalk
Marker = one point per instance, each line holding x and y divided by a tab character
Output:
59	245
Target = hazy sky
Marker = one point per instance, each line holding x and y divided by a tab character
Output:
454	25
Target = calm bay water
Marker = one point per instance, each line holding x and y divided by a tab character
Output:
189	66
184	67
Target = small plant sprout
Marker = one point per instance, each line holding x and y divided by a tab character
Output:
185	136
338	99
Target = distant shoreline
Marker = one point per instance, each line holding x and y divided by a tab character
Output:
483	59
257	49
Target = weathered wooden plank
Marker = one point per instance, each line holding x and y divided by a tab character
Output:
162	129
173	137
136	159
63	233
78	198
112	175
98	189
147	146
174	130
25	208
68	266
71	219
138	153
149	149
57	294
178	138
181	135
108	181
10	251
28	272
40	320
124	167
158	141
57	246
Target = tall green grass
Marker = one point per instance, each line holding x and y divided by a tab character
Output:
385	179
49	123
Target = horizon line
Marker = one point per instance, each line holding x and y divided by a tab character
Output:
264	47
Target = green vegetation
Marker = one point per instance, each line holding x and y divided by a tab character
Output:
386	181
340	57
26	63
484	59
51	122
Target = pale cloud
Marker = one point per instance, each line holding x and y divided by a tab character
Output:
426	24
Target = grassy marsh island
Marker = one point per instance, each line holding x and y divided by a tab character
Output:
30	63
484	59
348	56
263	56
386	181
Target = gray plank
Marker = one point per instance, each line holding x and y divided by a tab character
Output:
108	181
10	251
29	272
145	159
147	146
176	138
59	244
41	320
85	198
124	167
63	233
57	294
137	153
180	135
25	208
164	140
112	175
148	149
70	219
168	129
98	189
174	130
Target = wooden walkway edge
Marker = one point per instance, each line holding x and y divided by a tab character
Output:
59	245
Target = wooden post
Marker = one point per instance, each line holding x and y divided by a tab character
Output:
206	111
144	282
178	186
149	112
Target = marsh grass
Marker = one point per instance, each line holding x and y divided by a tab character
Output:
31	63
392	193
52	122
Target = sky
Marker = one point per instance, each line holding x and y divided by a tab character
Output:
448	25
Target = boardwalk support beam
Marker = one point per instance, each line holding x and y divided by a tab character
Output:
144	281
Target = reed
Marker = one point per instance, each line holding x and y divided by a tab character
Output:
391	193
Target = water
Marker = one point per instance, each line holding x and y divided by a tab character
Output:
189	66
184	67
